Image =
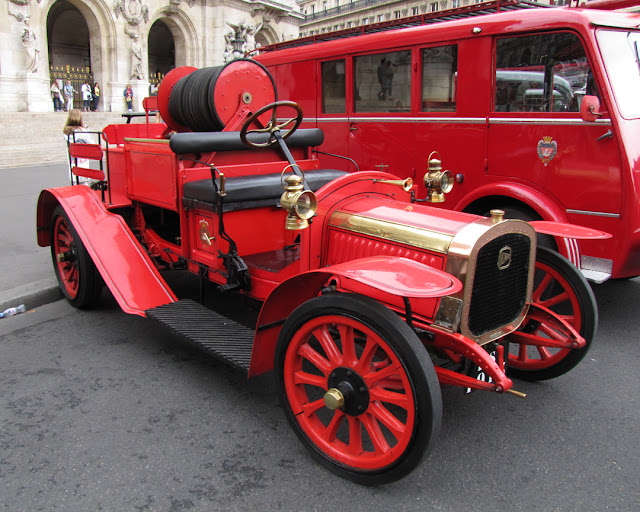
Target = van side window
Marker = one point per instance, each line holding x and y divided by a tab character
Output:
541	73
439	73
334	87
382	82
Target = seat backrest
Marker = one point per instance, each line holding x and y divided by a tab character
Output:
207	142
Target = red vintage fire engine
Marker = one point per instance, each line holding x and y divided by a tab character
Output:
370	299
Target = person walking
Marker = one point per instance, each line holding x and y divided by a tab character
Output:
86	96
56	95
96	96
68	91
128	97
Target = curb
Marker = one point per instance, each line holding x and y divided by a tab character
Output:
32	295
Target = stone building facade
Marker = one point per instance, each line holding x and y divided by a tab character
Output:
119	42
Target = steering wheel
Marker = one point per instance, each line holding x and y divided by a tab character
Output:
273	125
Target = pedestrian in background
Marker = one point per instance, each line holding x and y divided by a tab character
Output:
73	133
96	96
128	97
56	95
68	91
86	96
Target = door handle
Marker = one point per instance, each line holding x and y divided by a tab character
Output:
607	135
353	127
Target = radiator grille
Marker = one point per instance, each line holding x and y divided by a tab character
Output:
499	295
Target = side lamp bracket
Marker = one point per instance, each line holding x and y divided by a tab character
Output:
299	203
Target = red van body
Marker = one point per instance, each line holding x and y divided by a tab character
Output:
499	98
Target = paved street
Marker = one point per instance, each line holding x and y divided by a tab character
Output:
105	411
26	267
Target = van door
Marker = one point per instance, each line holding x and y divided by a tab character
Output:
380	134
331	114
536	134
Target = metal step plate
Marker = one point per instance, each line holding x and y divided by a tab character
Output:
216	334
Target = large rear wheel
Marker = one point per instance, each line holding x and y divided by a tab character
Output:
78	278
560	287
358	387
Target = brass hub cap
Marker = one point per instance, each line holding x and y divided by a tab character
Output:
347	392
333	399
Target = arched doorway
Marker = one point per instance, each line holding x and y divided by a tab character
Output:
69	47
162	51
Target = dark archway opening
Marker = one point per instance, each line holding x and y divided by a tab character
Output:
69	47
162	51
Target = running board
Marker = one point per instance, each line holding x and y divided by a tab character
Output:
215	334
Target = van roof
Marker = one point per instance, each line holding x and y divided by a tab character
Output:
445	28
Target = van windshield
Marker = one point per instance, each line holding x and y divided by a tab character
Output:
621	54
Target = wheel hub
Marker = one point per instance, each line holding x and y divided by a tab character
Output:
347	391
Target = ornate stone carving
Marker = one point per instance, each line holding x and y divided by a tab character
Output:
241	41
31	47
137	70
132	10
19	9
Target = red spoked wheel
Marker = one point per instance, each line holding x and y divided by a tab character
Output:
77	275
560	287
358	387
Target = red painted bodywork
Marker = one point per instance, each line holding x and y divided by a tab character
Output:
590	183
143	222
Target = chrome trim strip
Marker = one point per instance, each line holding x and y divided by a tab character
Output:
548	120
419	120
460	120
421	238
595	214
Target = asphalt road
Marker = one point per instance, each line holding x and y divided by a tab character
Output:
104	411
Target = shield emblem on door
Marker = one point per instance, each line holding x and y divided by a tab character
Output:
547	149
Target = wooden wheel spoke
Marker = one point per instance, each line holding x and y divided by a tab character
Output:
315	358
330	432
301	378
382	414
349	357
367	356
355	435
372	378
310	408
543	352
328	345
554	301
372	427
382	395
537	293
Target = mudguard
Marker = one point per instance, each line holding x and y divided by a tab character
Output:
564	230
392	275
122	262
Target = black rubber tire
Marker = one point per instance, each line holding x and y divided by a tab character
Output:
78	278
578	288
416	369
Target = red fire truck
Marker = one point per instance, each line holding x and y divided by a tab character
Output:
537	110
370	299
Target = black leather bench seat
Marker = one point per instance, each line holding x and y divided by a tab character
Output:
206	142
250	191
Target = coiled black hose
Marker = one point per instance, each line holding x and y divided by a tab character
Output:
191	103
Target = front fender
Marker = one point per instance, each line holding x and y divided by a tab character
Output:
123	263
376	277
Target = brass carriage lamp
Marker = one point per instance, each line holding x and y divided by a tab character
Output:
300	204
437	181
